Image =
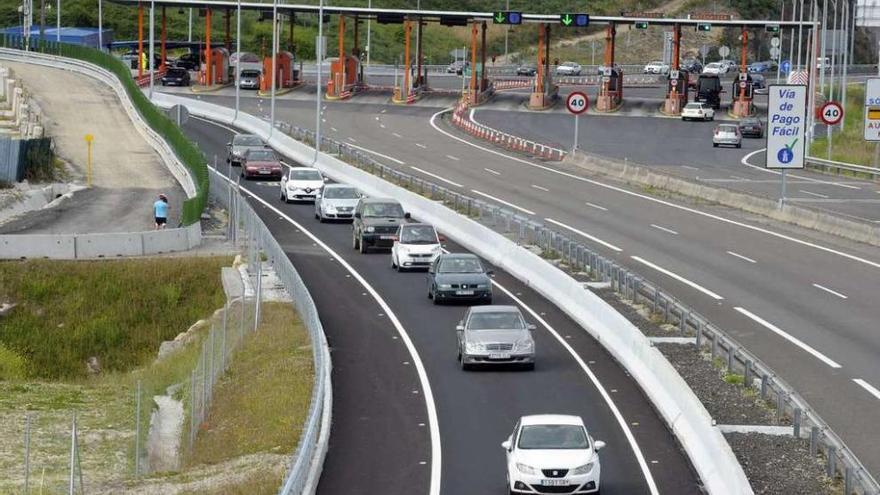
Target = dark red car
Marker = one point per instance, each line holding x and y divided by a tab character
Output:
261	163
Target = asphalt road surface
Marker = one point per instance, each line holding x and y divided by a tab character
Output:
379	440
804	303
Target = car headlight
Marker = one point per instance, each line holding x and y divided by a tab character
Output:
474	347
482	286
523	345
445	286
329	209
586	468
370	229
525	468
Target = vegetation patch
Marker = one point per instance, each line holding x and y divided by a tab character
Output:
850	145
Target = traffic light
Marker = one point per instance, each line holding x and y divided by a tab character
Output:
641	25
772	28
574	20
507	17
704	27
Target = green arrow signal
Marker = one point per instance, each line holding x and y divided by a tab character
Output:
499	18
567	20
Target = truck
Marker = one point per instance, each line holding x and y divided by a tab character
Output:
709	90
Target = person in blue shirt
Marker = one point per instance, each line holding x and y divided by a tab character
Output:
160	211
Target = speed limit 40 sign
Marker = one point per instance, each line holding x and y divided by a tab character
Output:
831	113
577	103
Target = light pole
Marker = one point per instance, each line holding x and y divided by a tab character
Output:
506	32
152	9
319	52
58	22
824	41
369	6
274	67
189	31
846	61
238	54
100	27
791	65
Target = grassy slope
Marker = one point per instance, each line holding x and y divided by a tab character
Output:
118	311
850	145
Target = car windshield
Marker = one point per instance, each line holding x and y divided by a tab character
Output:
693	106
751	122
460	265
250	73
418	234
507	320
656	62
713	66
553	437
177	72
305	175
569	64
246	140
341	193
727	128
261	156
388	210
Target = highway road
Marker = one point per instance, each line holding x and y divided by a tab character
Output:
380	439
802	302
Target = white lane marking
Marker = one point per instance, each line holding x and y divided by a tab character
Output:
867	386
652	199
678	277
422	146
383	111
834	292
382	126
688	166
429	174
377	118
745	161
353	140
333	129
778	331
428	394
591	205
584	234
540	188
499	173
741	257
493	198
664	229
380	155
739	178
627	431
814	194
398	136
452	158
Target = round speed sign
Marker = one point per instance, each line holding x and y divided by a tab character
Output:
577	103
831	113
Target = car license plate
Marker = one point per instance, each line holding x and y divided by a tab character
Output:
554	482
386	237
265	172
464	293
499	355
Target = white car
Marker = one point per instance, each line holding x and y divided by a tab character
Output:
416	245
728	64
336	202
552	453
716	68
699	111
656	67
301	184
569	69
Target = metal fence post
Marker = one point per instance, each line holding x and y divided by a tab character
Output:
259	288
699	334
27	452
780	398
832	461
848	481
747	374
137	432
764	383
71	480
796	423
731	356
192	409
814	440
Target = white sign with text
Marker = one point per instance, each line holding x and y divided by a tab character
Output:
786	126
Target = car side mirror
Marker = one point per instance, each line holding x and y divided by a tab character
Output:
531	326
598	445
325	179
357	215
229	145
490	272
406	215
506	445
459	328
431	269
441	237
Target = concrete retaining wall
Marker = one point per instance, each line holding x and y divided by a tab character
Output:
93	246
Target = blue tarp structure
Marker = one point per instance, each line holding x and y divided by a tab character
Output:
71	35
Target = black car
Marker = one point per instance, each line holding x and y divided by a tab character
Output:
459	277
188	61
751	127
693	66
526	70
175	76
375	223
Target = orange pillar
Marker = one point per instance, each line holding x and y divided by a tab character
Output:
539	77
209	71
473	63
742	66
407	30
676	46
162	63
483	78
340	76
140	63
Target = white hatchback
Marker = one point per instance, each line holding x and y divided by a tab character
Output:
699	111
552	452
416	245
301	184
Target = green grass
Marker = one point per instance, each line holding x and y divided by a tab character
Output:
850	145
118	311
734	379
262	401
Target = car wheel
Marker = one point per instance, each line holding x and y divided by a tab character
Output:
362	245
488	301
529	367
465	366
739	145
393	264
714	145
430	294
354	241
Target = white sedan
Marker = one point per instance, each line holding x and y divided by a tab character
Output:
569	69
697	111
656	67
552	450
715	68
417	245
301	184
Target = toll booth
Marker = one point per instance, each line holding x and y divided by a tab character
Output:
244	61
677	86
343	74
611	89
219	68
285	74
742	91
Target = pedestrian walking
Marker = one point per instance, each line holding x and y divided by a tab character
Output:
160	211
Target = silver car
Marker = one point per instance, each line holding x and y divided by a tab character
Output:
495	335
249	79
727	134
239	146
336	202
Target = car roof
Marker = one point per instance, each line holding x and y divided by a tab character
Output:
410	225
458	256
551	419
337	185
494	308
379	200
305	168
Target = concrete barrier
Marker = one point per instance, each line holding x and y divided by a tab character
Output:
685	415
62	247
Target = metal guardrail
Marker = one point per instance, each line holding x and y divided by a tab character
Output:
302	476
839	167
790	406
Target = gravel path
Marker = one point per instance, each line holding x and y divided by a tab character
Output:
780	465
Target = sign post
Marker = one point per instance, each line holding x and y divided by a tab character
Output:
89	138
831	115
577	103
786	126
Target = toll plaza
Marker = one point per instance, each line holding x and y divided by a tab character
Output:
347	70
